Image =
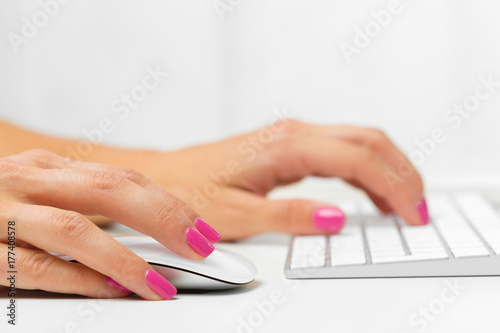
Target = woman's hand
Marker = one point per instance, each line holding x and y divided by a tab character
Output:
227	181
46	196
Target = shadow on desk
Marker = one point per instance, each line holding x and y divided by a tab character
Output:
40	294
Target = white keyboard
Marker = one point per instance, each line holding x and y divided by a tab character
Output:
462	239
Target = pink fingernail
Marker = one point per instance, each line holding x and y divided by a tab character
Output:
199	243
423	211
206	230
160	285
329	219
116	285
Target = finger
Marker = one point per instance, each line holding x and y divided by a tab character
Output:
70	233
113	196
153	188
47	160
137	178
378	141
246	214
41	158
352	162
41	270
44	159
237	212
144	182
302	217
380	203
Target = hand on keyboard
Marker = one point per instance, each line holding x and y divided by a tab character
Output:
227	181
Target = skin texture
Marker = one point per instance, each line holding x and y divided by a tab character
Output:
47	194
162	193
366	158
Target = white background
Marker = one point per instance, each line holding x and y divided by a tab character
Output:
227	75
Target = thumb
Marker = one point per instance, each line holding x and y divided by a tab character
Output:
303	217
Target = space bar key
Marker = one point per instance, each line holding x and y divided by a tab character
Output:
411	258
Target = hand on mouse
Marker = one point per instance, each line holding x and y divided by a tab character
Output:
227	181
44	197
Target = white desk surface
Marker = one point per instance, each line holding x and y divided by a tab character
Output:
350	305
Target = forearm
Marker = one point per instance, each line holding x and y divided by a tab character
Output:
14	140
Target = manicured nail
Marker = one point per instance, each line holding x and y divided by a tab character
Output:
206	230
116	285
199	243
423	211
329	219
160	285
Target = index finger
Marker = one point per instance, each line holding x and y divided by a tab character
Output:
105	193
336	158
378	141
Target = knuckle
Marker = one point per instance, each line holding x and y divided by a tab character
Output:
367	156
286	141
293	214
177	204
290	136
12	176
104	181
130	174
163	214
128	263
71	225
43	158
292	122
377	138
39	264
42	155
364	159
291	126
38	152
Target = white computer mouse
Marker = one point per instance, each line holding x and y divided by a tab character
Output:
223	269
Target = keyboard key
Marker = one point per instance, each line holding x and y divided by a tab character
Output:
307	262
421	239
410	258
464	226
384	254
347	247
345	259
387	248
455	230
436	249
424	245
348	237
308	251
382	234
465	245
481	215
470	252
